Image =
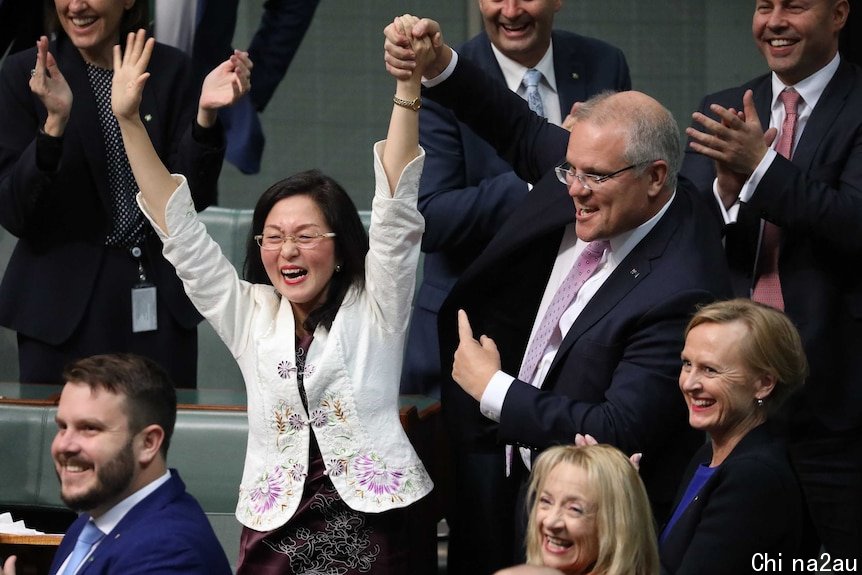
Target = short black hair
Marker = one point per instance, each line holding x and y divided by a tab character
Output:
340	214
150	394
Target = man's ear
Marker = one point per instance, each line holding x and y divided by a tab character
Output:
657	173
150	441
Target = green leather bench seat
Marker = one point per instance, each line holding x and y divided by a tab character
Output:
207	448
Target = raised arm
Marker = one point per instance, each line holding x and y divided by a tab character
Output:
130	75
402	141
223	87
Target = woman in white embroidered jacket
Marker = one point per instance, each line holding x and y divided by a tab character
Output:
318	331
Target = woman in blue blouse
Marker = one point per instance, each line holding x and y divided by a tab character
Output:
739	496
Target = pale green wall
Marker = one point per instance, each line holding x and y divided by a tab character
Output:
334	102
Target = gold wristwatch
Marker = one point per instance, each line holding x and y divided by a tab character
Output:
413	104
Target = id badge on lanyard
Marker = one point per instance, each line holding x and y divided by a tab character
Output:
144	316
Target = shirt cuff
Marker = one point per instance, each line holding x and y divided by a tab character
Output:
430	83
753	181
729	215
492	400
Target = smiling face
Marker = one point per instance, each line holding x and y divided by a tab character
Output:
720	390
618	204
520	29
798	37
93	26
300	275
93	451
565	515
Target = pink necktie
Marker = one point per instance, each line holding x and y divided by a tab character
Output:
549	329
767	288
584	267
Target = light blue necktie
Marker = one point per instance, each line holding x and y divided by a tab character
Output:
531	80
89	536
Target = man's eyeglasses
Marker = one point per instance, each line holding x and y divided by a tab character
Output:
590	181
274	241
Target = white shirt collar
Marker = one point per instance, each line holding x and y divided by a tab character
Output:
513	72
622	244
811	88
109	520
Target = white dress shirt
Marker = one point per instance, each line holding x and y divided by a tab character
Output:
810	89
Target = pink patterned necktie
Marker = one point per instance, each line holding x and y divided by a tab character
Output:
584	267
767	288
549	329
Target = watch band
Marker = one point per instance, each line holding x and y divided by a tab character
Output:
413	104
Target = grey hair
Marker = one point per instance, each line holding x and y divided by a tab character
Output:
653	134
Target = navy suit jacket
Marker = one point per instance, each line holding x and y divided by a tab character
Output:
467	190
61	217
615	374
751	504
816	199
167	532
282	27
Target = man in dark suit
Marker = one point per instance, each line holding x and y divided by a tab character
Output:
815	200
612	369
114	424
209	40
467	191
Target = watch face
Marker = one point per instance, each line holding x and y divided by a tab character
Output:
413	104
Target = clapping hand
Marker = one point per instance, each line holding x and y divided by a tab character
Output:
51	87
224	86
130	75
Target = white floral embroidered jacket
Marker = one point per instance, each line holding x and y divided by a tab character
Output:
352	371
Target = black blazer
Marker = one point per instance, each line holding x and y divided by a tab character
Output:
817	200
615	375
751	504
467	191
61	217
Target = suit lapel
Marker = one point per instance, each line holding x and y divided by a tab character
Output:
629	273
87	134
571	73
823	118
141	512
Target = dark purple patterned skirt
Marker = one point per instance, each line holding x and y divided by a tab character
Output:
325	536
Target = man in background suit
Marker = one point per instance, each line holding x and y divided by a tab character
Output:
815	200
205	29
612	371
114	424
467	191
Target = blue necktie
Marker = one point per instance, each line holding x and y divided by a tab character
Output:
531	80
89	536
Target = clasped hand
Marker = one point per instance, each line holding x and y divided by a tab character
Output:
414	44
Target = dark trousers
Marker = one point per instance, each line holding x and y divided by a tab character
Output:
484	513
107	328
829	466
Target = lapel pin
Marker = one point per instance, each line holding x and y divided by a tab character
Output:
148	117
635	273
575	76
